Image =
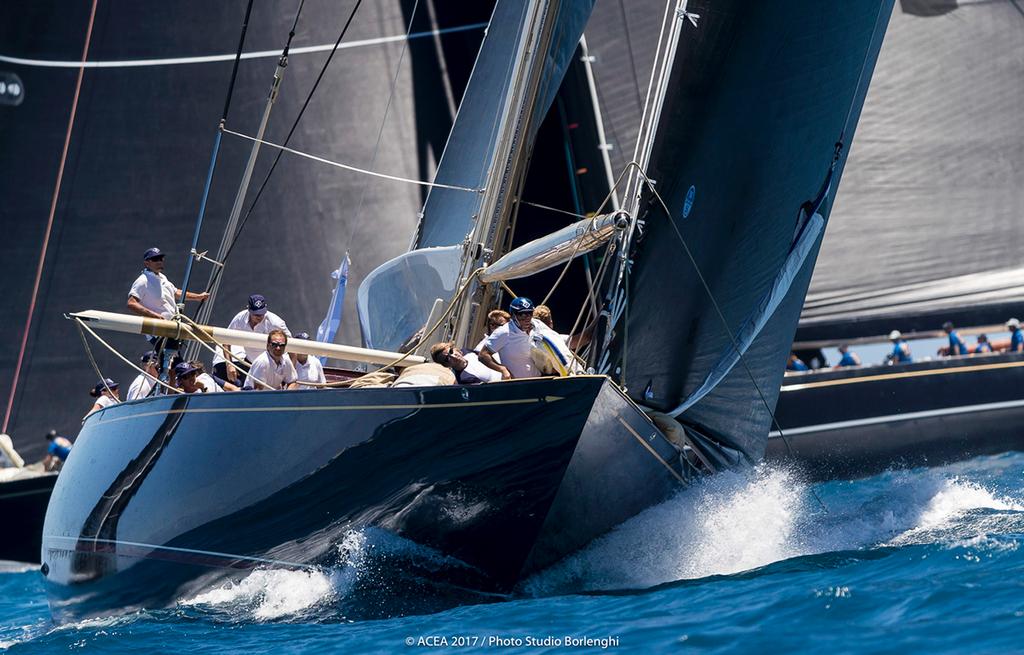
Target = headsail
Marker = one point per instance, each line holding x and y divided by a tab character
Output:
928	227
743	144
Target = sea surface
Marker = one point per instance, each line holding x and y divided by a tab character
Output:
925	560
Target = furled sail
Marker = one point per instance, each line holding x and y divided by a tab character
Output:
742	149
928	227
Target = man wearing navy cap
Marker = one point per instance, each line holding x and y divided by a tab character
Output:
142	385
256	318
152	295
307	369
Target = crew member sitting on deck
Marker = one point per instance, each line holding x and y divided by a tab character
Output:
57	451
106	394
307	369
900	349
848	358
143	385
1016	336
467	367
255	318
983	345
273	367
495	319
957	346
192	379
795	363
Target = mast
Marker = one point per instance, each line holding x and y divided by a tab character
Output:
489	238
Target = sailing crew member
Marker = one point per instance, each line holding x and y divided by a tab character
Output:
142	385
1016	336
900	349
106	394
192	379
983	345
152	295
513	342
256	318
795	363
467	367
495	319
272	367
957	346
847	358
307	369
57	451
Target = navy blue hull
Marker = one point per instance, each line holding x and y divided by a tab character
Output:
849	423
165	494
23	506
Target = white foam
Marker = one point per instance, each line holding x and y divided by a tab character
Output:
271	594
735	522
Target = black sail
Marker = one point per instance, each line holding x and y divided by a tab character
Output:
140	146
928	227
744	145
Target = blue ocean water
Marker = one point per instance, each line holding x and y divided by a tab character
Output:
907	561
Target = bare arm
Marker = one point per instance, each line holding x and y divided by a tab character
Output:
136	307
191	295
488	361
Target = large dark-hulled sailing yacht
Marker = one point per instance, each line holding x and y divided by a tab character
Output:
700	279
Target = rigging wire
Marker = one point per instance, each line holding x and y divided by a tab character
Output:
50	219
259	194
82	325
348	167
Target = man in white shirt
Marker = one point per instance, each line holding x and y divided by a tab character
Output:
255	318
153	296
307	369
467	367
514	341
273	367
142	385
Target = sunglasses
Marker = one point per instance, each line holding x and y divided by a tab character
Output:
277	344
528	312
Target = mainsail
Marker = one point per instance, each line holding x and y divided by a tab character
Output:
928	227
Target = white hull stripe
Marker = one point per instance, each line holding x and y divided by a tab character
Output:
131	63
894	418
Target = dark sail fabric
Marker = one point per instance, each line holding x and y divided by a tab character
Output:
139	151
755	105
928	225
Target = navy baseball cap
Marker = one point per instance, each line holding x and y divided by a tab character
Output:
148	356
184	369
257	304
520	305
152	253
102	386
302	335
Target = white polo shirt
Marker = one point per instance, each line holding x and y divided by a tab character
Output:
140	388
311	371
274	374
155	292
241	322
514	347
